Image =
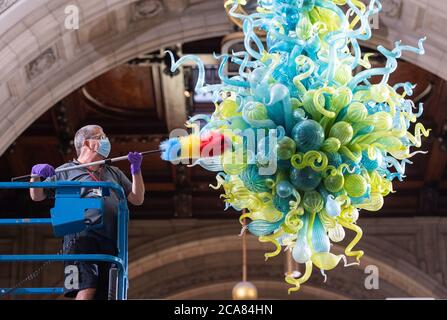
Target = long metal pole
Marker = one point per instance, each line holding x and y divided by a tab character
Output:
84	165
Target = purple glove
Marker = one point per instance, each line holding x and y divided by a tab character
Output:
135	162
43	170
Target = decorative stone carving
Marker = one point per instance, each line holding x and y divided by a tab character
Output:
6	4
144	9
41	64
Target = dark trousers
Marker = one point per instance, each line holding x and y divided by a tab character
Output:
91	274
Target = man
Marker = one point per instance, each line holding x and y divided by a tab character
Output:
93	145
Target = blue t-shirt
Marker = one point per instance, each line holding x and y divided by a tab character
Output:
111	202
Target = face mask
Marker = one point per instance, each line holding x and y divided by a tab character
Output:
104	147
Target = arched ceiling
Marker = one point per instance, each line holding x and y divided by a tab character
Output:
42	62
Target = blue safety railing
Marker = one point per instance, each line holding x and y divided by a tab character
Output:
67	198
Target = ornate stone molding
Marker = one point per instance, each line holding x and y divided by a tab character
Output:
41	64
144	9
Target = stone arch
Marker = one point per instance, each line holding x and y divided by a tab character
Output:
31	84
41	62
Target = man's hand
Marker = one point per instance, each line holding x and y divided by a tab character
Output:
42	171
136	197
135	159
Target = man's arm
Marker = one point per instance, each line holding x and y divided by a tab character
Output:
37	194
136	197
44	171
